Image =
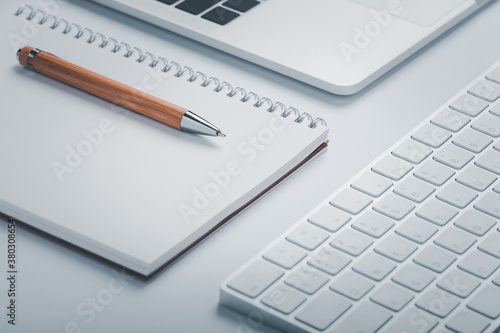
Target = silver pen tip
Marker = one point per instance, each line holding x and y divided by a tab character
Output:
221	134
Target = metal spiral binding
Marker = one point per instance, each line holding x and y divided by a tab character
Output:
180	71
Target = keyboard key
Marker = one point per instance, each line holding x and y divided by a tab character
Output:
351	241
285	254
494	75
373	224
392	296
450	120
491	245
372	184
455	240
438	302
412	151
437	212
486	302
495	110
479	264
220	15
351	201
489	204
329	260
395	248
472	140
352	285
374	266
434	258
392	167
394	206
488	124
476	178
323	310
486	90
431	135
307	236
241	5
306	279
413	277
255	278
329	218
417	230
496	280
469	105
196	6
459	283
283	298
467	322
475	222
453	156
434	173
367	317
457	195
490	161
413	189
413	320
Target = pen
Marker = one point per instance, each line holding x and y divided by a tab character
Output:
116	92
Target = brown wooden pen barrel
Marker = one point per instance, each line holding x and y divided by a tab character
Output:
103	87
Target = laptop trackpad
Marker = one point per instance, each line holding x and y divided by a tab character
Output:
422	12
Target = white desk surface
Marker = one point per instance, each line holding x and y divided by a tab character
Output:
57	285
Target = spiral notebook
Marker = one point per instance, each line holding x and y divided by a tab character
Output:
120	185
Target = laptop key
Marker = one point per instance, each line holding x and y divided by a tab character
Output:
494	75
255	278
476	178
392	167
431	135
468	322
434	172
306	279
435	258
352	242
220	15
453	156
307	236
486	90
329	218
476	223
196	6
469	105
351	201
490	161
395	248
413	277
457	195
488	124
489	204
486	302
459	283
241	5
374	266
283	298
352	285
472	140
392	296
491	245
412	151
394	206
329	260
372	184
285	254
479	264
455	240
323	310
437	212
438	302
373	224
367	317
417	230
450	120
413	320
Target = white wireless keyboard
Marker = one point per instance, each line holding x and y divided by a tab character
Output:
411	244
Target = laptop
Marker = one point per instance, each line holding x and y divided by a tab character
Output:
339	46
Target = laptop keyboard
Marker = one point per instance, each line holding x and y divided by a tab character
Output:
214	10
411	244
